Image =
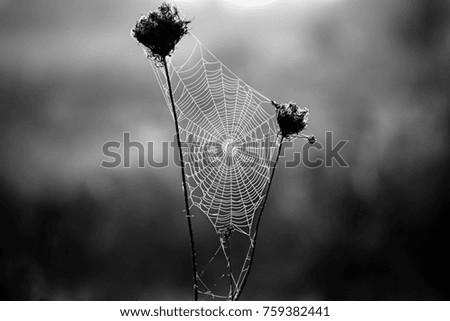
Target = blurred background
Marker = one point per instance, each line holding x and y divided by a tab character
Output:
376	73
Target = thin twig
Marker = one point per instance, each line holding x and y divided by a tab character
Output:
225	243
240	288
188	214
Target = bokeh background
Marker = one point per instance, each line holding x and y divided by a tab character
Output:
376	73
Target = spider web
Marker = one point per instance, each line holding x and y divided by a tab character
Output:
230	135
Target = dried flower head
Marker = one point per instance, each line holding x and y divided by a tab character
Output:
160	31
292	120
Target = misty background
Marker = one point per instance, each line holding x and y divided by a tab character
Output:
376	73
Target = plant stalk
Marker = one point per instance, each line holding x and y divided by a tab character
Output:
183	175
253	248
225	243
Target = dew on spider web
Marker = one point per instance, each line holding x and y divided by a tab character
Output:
231	135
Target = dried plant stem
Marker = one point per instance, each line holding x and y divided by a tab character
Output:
252	248
225	243
183	175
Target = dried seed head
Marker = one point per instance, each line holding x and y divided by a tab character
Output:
292	120
160	31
